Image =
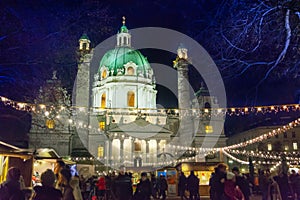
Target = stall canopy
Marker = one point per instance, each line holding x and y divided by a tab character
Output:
50	155
12	156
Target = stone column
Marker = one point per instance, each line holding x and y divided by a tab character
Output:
147	151
110	151
185	131
121	151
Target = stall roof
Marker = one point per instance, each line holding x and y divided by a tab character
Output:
46	153
13	151
50	155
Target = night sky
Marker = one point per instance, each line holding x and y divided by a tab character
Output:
247	40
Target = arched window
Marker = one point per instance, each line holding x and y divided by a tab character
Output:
104	74
207	105
130	71
130	99
103	100
84	46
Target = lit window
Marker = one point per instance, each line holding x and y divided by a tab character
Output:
102	125
104	74
137	145
130	99
162	144
103	100
100	151
269	147
130	71
50	123
295	145
286	147
209	129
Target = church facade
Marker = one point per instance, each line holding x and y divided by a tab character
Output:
112	112
119	122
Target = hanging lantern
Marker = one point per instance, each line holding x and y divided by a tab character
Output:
50	123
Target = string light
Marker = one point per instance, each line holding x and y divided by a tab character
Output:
265	136
233	111
293	156
234	158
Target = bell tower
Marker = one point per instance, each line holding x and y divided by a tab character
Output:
186	128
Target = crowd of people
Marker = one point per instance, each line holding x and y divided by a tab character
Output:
226	185
59	184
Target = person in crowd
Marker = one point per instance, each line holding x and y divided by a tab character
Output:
211	179
123	186
163	187
283	183
193	186
269	186
59	165
64	179
231	190
154	186
293	180
11	188
101	187
74	183
47	190
82	185
182	185
144	188
242	182
297	188
217	182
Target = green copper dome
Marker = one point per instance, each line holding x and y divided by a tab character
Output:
124	29
84	37
115	60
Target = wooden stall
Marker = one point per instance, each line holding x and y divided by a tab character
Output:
202	170
12	156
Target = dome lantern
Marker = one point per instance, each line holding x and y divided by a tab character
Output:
123	37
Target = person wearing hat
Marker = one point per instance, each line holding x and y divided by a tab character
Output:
47	190
231	191
143	189
11	189
242	182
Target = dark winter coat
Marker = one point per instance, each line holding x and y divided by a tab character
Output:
10	190
46	193
182	183
143	190
217	187
162	184
123	187
243	184
283	183
193	183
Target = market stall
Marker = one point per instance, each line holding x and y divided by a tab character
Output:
202	170
44	159
12	156
171	175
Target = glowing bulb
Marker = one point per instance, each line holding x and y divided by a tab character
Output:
47	113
